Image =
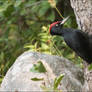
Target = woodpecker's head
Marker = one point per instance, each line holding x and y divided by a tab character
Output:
56	26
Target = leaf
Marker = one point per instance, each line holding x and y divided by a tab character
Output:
1	79
9	10
2	56
18	3
57	81
43	9
37	79
51	16
1	10
90	67
44	46
39	67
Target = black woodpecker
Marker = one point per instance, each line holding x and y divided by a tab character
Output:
78	41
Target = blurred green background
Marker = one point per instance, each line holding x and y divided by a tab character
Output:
24	25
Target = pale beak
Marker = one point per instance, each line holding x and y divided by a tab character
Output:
64	20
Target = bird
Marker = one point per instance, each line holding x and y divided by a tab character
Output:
79	41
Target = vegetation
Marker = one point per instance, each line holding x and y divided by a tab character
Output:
40	68
24	25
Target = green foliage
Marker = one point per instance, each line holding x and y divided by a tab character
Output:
54	88
37	79
90	67
1	80
57	81
24	25
39	67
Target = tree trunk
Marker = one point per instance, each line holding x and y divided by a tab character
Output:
83	13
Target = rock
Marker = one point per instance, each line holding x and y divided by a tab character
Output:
18	77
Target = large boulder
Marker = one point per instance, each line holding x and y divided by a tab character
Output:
18	77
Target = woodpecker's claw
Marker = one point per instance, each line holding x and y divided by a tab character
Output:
64	20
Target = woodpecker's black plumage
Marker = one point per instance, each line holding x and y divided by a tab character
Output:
75	39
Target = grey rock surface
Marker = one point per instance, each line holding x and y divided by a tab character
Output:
18	77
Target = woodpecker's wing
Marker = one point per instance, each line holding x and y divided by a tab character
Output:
78	41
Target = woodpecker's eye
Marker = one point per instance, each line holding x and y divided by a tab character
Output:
56	25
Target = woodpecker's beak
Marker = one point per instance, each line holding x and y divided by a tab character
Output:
64	20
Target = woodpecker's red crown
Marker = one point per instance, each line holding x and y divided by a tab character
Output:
53	24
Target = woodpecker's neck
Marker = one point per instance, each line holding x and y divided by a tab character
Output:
56	31
66	31
61	31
